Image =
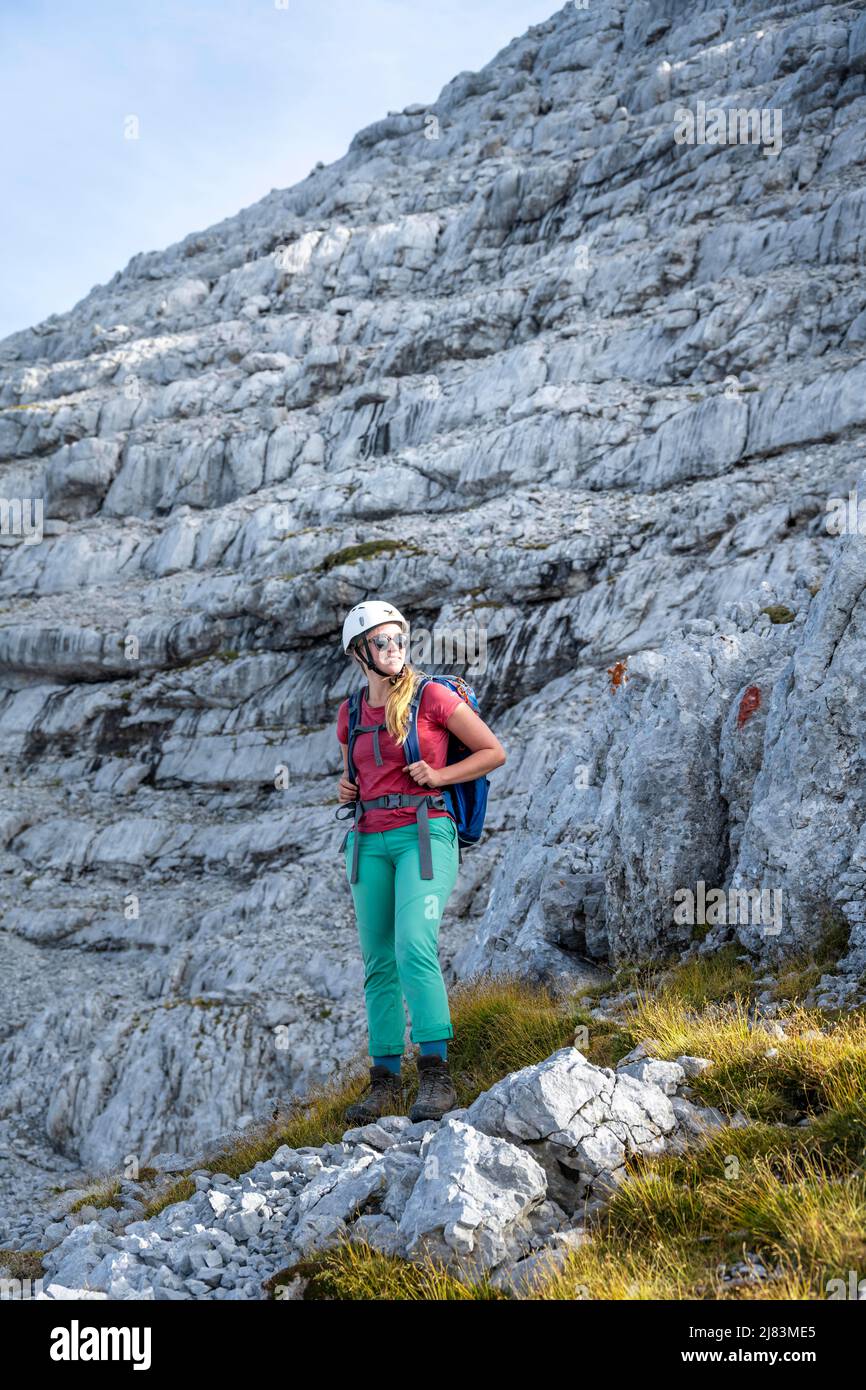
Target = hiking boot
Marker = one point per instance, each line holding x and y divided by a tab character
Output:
436	1093
385	1097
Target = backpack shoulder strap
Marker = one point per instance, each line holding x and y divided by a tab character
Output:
412	747
453	683
354	717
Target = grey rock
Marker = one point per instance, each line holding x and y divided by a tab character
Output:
577	1119
694	1066
667	1075
331	1198
64	1293
73	1262
471	1198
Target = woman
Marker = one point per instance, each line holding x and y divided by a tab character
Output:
398	911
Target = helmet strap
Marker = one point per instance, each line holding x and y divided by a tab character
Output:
371	664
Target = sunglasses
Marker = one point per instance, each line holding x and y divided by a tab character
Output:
382	643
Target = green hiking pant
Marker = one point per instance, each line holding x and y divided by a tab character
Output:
398	914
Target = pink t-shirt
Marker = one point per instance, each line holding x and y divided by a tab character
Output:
437	705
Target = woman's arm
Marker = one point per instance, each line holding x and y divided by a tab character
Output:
346	790
487	752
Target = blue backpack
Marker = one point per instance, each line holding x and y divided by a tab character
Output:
467	801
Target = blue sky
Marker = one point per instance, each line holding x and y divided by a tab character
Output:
233	98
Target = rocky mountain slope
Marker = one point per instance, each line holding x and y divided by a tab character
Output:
540	374
501	1187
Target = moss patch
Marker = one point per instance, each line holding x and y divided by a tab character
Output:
350	554
778	613
23	1264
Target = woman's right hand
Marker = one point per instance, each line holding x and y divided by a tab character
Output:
348	791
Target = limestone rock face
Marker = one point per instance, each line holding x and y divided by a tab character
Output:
574	395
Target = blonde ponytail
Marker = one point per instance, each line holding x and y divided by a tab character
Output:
398	702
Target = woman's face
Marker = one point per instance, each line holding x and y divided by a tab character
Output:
392	657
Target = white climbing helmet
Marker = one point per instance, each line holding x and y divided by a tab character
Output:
364	616
371	613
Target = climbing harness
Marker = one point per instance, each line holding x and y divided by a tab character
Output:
466	801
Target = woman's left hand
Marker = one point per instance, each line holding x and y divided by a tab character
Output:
423	773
